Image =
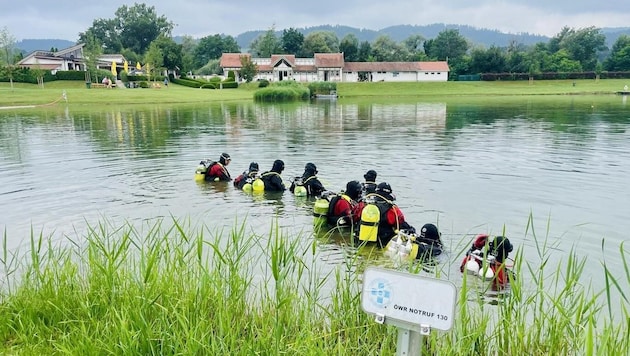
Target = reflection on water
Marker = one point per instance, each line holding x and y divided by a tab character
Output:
474	166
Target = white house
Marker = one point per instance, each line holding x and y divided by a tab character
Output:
70	58
67	59
331	67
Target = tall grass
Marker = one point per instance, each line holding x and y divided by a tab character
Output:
175	289
282	92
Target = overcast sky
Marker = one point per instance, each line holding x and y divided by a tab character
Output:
48	19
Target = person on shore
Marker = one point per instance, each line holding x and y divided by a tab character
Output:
272	179
247	177
308	184
218	170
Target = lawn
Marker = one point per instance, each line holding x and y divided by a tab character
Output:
77	93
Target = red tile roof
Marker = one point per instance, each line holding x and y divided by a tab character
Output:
232	60
329	60
434	66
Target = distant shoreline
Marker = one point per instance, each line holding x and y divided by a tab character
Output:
78	94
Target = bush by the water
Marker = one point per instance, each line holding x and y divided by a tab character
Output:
282	91
322	87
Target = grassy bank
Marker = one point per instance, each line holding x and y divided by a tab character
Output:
179	290
78	94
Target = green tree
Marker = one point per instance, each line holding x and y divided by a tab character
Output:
385	49
212	67
583	45
7	46
132	28
140	25
414	46
208	48
171	51
320	42
349	46
491	60
154	60
448	45
248	69
562	62
516	59
106	32
539	59
92	51
619	59
365	50
292	41
188	53
266	44
212	47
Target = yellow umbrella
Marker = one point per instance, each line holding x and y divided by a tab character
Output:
138	66
114	72
126	67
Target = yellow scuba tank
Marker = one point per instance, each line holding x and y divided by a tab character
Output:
320	212
200	172
248	187
368	227
258	185
299	190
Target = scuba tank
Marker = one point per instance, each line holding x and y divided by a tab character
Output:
202	168
299	190
320	212
368	227
258	185
248	186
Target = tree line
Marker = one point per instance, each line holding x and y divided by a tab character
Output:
141	35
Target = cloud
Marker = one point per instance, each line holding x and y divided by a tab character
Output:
198	18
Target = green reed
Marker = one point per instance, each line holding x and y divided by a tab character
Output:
173	288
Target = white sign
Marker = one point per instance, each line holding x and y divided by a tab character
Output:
414	300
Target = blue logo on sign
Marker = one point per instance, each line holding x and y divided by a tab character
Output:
379	293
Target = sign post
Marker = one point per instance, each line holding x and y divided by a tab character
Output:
413	303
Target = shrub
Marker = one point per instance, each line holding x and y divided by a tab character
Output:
229	85
282	93
70	75
322	87
263	83
28	75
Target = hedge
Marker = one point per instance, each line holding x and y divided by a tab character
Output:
554	75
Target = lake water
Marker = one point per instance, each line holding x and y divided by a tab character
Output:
467	165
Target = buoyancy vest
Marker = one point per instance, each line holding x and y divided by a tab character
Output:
267	177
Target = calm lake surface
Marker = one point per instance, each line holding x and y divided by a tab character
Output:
467	165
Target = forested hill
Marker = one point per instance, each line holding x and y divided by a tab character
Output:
399	33
477	36
30	45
